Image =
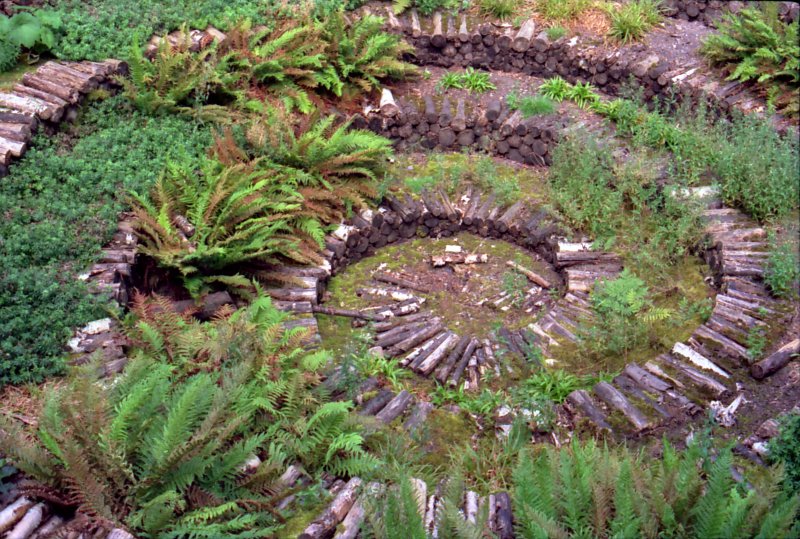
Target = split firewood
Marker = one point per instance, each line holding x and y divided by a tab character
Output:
458	258
531	275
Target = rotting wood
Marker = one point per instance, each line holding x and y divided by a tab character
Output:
438	261
531	275
326	523
348	313
401	282
446	367
583	402
461	366
776	361
615	399
395	407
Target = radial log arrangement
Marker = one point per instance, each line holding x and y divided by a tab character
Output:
704	368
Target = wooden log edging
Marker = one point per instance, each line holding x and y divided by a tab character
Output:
47	97
578	59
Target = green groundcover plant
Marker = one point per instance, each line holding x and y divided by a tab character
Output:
60	205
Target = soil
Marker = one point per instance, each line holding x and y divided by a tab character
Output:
461	294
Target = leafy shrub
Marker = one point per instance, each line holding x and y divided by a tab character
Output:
632	20
758	47
555	88
562	10
758	168
473	81
161	451
502	9
100	29
782	271
59	206
785	448
598	492
556	32
34	30
530	105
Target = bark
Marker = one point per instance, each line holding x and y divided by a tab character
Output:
26	526
687	352
400	333
416	357
504	519
396	295
531	275
522	41
709	384
458	258
348	313
461	366
388	325
582	401
414	339
293	294
326	523
377	403
14	512
399	281
645	379
776	361
395	407
615	399
446	367
417	416
721	343
388	104
628	385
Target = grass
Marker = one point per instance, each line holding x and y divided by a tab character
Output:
562	10
556	32
473	81
631	21
502	9
531	105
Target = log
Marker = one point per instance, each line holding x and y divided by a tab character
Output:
417	356
400	333
572	258
12	147
451	213
416	29
430	362
472	209
463	34
504	520
34	80
482	213
399	281
459	122
56	101
775	361
401	309
293	294
433	206
28	524
376	403
351	525
446	113
446	367
629	386
388	325
396	295
507	128
414	339
55	522
438	261
505	39
617	400
14	512
407	213
417	416
531	275
471	506
708	383
645	379
461	366
522	41
493	109
438	39
348	313
209	305
581	400
720	342
326	523
395	407
387	104
680	349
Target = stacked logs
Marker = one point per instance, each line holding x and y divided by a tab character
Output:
453	43
48	96
25	519
436	215
435	123
709	12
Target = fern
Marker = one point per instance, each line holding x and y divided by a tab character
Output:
160	452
